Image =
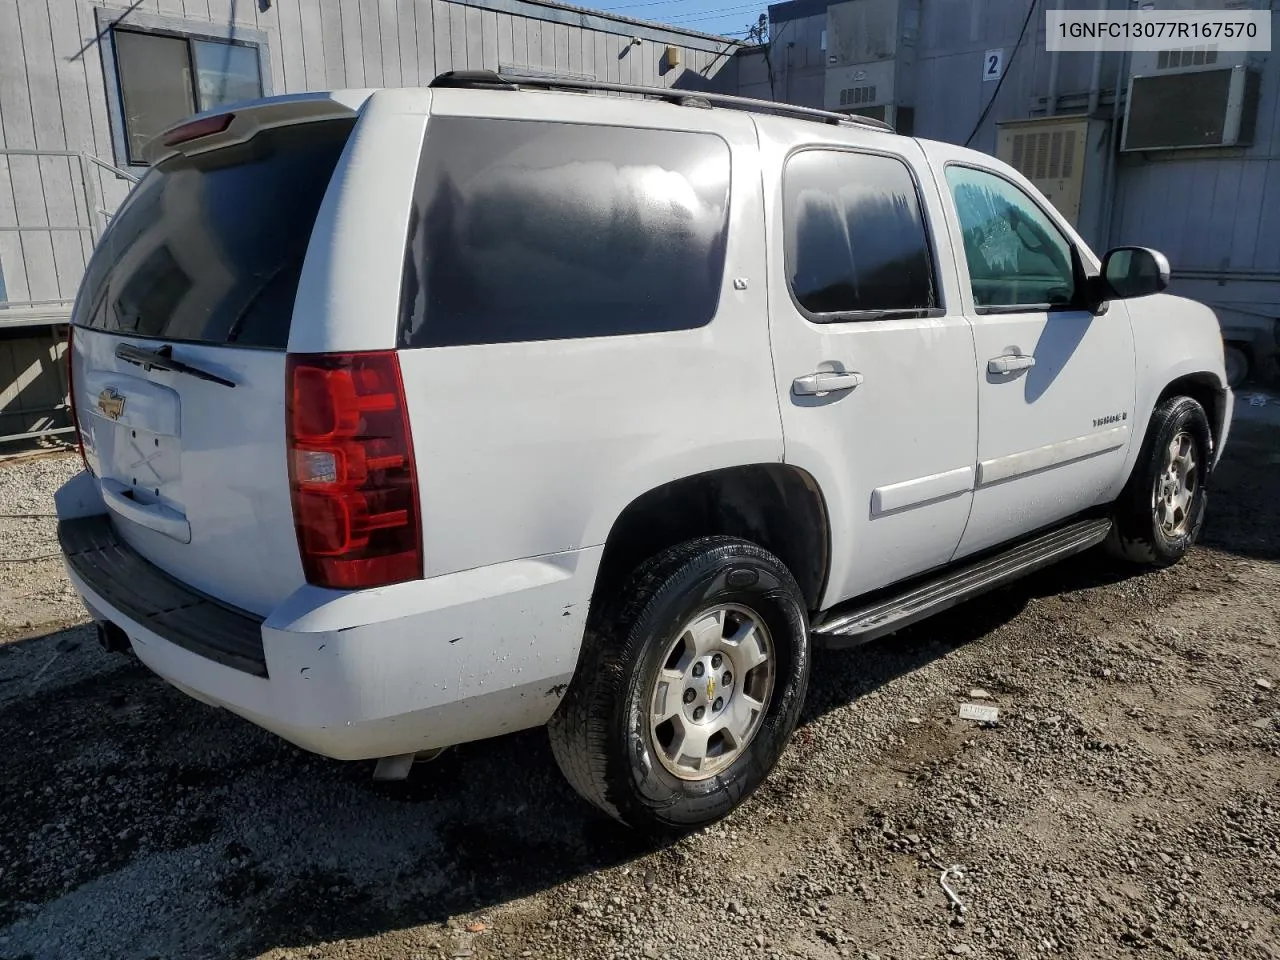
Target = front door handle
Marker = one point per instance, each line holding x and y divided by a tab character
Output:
816	384
1010	363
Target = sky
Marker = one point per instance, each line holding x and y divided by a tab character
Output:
729	18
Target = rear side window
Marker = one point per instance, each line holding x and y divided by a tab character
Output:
528	230
855	237
209	249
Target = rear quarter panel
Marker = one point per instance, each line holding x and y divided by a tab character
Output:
349	292
533	448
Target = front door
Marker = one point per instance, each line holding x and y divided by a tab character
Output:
1055	382
875	374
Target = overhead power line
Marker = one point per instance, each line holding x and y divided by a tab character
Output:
704	13
1000	83
632	6
727	12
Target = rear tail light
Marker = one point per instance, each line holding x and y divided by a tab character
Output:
71	393
351	470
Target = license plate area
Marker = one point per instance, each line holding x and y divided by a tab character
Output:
135	435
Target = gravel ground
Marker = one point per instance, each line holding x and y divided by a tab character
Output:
33	593
1126	801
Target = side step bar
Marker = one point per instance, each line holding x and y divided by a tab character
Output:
920	600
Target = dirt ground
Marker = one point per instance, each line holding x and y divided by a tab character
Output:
1126	802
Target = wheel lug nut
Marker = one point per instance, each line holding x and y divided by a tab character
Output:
719	704
698	712
716	660
689	695
727	678
699	669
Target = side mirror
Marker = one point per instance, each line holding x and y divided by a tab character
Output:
1129	272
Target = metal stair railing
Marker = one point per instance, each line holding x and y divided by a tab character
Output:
52	313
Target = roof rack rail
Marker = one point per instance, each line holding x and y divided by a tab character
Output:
471	78
488	79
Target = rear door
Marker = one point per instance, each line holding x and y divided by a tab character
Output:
201	266
874	360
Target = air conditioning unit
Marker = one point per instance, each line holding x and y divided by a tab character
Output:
1063	157
869	90
860	85
864	31
1203	56
1184	56
871	57
1195	109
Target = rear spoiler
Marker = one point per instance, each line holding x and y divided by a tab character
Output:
238	122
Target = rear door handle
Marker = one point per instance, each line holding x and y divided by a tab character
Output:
816	384
1010	363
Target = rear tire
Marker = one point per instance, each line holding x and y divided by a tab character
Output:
711	635
1158	517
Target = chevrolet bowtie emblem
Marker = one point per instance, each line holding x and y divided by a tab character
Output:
711	687
111	403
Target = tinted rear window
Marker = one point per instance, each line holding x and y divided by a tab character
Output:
856	241
529	230
209	248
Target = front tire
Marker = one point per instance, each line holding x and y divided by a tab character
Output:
688	687
1159	515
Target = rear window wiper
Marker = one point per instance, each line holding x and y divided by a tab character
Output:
162	359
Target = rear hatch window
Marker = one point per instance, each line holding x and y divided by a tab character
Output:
209	248
201	266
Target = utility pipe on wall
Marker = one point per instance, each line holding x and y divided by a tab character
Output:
1051	101
1095	73
1113	154
1095	82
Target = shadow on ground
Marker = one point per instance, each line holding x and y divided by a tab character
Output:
126	807
282	849
1244	495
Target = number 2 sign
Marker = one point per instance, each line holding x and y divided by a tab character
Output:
992	64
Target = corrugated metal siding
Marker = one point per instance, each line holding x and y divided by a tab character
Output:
1228	207
53	95
1228	215
33	386
1220	233
799	64
950	91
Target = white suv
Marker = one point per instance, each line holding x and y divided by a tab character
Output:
413	417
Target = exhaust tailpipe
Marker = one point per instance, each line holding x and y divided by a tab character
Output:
113	639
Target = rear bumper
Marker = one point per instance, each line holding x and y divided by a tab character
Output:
371	673
148	597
